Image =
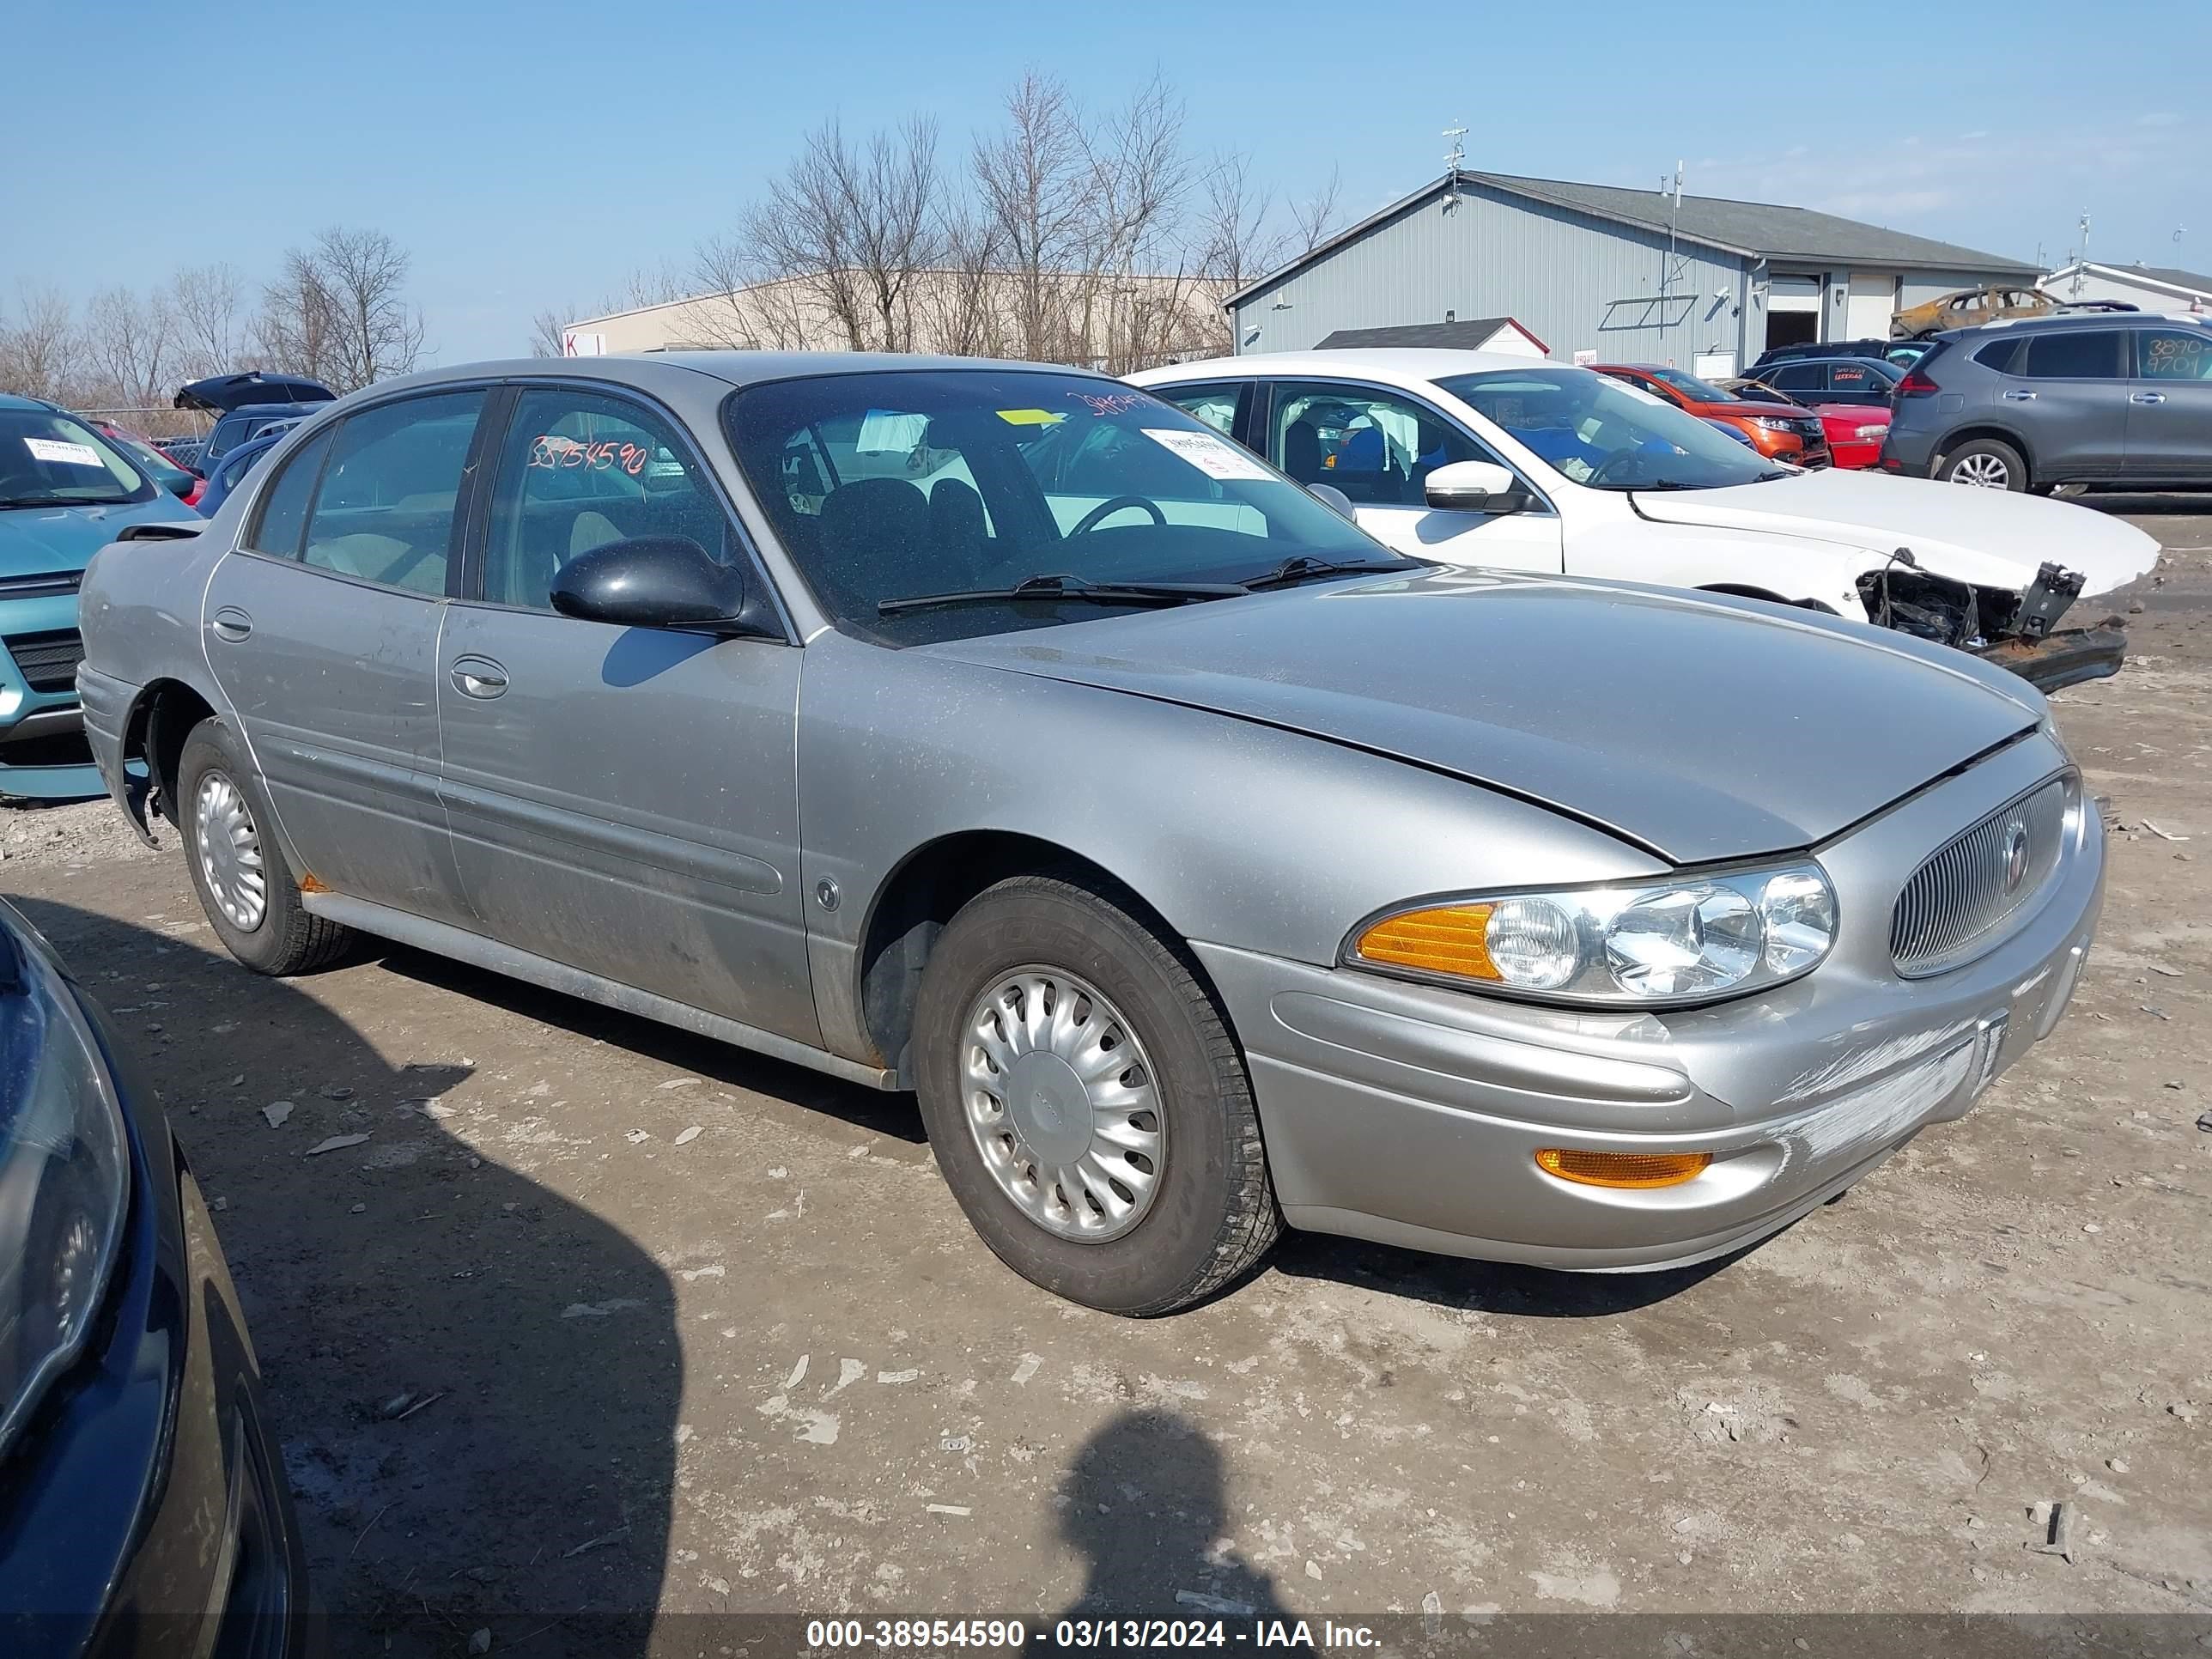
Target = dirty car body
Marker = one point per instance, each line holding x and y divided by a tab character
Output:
1002	733
1616	483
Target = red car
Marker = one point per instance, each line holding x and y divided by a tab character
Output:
179	481
1780	432
1855	430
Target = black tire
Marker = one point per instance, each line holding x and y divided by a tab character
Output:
285	939
1214	1216
1989	457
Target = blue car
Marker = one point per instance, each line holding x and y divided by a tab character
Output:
227	474
65	492
145	1509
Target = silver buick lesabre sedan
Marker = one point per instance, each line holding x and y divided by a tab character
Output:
1004	734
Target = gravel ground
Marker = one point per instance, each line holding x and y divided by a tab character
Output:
602	1319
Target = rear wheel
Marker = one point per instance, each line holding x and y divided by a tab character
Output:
250	897
1984	463
1086	1103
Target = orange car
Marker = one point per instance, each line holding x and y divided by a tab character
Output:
1781	432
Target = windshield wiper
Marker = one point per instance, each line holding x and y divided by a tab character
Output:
1304	567
1053	590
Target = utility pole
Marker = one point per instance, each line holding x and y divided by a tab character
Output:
2080	259
1455	158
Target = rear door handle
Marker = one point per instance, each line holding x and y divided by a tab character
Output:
2020	396
2147	396
231	623
479	677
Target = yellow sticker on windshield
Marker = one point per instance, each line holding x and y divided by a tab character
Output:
1031	418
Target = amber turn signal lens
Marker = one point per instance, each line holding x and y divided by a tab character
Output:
1448	940
1621	1169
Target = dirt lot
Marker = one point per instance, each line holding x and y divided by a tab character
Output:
603	1319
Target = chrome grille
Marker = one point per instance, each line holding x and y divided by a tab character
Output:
1966	889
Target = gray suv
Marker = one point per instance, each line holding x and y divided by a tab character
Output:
2060	400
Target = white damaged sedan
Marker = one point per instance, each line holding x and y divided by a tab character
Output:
1475	459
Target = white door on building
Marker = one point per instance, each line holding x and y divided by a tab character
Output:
1873	303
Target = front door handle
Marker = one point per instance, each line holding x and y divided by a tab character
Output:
479	677
231	623
2020	396
2147	396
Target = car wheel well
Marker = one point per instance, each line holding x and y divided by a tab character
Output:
927	890
1998	434
166	712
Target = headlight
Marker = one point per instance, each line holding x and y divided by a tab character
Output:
1668	943
1771	423
64	1178
1880	429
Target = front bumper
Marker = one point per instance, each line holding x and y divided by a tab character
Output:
1412	1114
144	1509
2064	657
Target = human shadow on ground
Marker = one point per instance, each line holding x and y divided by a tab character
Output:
1146	1502
475	1381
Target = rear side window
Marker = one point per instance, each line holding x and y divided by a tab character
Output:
2090	356
2002	356
283	513
1217	405
386	509
1799	376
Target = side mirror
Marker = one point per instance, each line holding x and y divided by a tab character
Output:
650	581
1330	496
182	487
1476	487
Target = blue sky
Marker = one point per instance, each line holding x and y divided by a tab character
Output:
532	155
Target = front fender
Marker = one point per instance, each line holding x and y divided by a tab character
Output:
1236	833
1795	569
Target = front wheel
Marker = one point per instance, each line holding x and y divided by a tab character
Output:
1984	463
1086	1101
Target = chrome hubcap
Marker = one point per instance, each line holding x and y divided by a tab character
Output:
1982	472
1060	1098
230	852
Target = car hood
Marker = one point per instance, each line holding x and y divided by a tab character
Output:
1986	535
1698	728
36	541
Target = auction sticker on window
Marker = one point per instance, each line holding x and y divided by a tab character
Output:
1216	458
68	454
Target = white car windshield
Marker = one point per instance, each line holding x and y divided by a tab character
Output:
1598	432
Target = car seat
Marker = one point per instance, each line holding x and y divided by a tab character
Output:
877	542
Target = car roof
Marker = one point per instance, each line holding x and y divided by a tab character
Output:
1412	367
644	369
14	400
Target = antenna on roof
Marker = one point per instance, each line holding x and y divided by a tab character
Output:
2083	257
1455	158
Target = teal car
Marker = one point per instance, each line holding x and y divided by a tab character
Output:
65	492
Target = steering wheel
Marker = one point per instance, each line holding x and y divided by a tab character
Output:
1107	509
1626	466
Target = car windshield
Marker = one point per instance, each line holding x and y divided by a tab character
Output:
1608	435
1696	391
915	483
49	460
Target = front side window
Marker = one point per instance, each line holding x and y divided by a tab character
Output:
48	459
1609	436
386	509
1377	446
908	484
2075	355
578	470
2174	354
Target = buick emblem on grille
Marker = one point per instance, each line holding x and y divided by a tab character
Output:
2015	855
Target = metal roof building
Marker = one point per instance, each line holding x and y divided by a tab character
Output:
1613	274
2153	287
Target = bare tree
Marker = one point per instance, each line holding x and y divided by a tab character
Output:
127	341
295	328
1317	217
547	330
208	302
39	345
340	310
1036	186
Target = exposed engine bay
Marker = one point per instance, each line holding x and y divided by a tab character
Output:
2016	630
